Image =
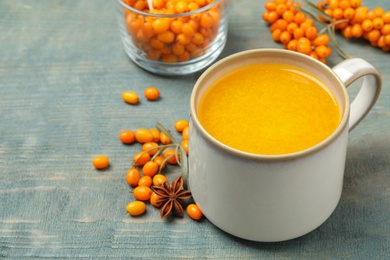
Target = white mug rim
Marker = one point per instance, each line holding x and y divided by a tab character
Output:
337	132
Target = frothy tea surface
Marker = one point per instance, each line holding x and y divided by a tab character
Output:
269	109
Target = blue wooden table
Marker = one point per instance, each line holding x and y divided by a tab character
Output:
62	73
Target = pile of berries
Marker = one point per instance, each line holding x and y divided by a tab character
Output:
295	30
158	150
356	21
176	39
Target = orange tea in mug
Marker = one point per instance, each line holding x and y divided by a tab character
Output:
269	109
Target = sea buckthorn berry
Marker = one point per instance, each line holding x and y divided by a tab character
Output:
321	39
299	17
164	139
180	125
304	47
133	176
141	158
130	97
357	30
171	155
270	6
373	36
292	45
311	33
166	37
156	135
322	51
143	135
367	25
160	25
194	212
150	168
159	179
127	136
151	147
153	200
185	133
276	35
378	23
152	93
386	17
101	162
160	161
142	193
285	37
136	208
145	181
184	144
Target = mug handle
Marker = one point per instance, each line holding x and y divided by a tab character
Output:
349	71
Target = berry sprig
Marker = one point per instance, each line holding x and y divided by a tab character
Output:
290	26
145	175
355	20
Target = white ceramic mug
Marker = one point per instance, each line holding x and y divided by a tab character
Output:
277	197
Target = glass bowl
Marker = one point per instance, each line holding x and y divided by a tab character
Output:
173	39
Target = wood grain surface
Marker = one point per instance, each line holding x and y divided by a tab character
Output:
62	72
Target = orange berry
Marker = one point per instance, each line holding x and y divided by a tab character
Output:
288	16
311	33
386	17
166	37
291	27
156	135
378	23
292	45
279	24
194	212
133	176
184	144
270	6
159	179
272	17
304	48
100	162
322	51
171	155
276	35
321	39
143	135
347	32
180	125
130	97
150	168
127	136
185	133
153	200
281	8
160	161
141	158
298	33
299	17
367	25
164	139
151	147
142	193
285	37
160	25
151	93
136	208
373	35
145	181
357	30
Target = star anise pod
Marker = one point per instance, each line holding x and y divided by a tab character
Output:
172	197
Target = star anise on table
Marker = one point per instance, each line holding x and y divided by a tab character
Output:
172	197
